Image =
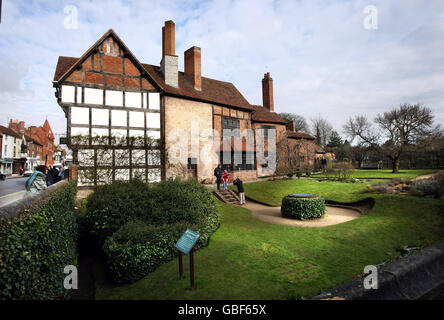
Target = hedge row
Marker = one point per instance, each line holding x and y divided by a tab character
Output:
138	249
138	224
35	247
302	208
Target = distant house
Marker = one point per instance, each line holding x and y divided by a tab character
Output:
11	159
304	147
45	136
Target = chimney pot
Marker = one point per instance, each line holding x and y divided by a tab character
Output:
267	92
193	66
168	39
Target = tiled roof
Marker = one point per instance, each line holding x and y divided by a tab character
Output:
63	64
213	91
300	135
9	132
261	114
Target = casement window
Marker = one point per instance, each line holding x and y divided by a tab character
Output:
266	131
248	161
230	123
192	164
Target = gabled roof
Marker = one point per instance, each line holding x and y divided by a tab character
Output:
263	115
300	135
9	132
213	91
47	129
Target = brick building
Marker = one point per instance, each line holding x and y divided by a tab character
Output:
108	92
37	144
11	157
45	137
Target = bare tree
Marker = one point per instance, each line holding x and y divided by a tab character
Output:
398	130
301	123
322	130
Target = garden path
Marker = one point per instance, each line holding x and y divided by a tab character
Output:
332	216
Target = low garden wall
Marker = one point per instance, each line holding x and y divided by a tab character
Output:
419	275
38	238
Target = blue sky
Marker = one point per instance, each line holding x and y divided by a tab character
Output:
321	58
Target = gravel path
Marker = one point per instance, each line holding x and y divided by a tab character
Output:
333	215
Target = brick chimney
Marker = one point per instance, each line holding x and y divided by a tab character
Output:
170	62
192	59
292	126
267	92
17	126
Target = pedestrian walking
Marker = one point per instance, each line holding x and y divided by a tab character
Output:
225	178
240	189
218	172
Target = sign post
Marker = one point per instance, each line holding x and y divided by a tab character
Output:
180	265
185	245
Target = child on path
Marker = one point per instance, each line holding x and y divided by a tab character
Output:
225	177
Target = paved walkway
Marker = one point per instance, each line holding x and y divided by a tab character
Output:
333	215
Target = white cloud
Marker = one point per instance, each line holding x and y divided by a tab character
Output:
321	58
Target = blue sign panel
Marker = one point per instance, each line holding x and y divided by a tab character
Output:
187	241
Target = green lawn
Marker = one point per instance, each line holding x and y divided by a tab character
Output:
251	259
387	174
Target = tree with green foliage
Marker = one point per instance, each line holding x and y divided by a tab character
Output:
335	140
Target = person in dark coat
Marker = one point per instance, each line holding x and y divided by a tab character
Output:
51	177
240	189
218	174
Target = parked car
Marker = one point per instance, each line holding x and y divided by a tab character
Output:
2	176
28	172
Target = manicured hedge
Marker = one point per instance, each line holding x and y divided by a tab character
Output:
36	245
113	205
144	236
303	208
138	249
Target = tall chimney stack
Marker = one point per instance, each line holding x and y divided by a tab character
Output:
292	126
170	62
193	65
267	92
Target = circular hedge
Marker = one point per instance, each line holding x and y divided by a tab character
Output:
303	206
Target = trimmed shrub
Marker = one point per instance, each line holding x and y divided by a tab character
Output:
35	247
138	249
303	208
143	238
175	200
113	205
299	174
